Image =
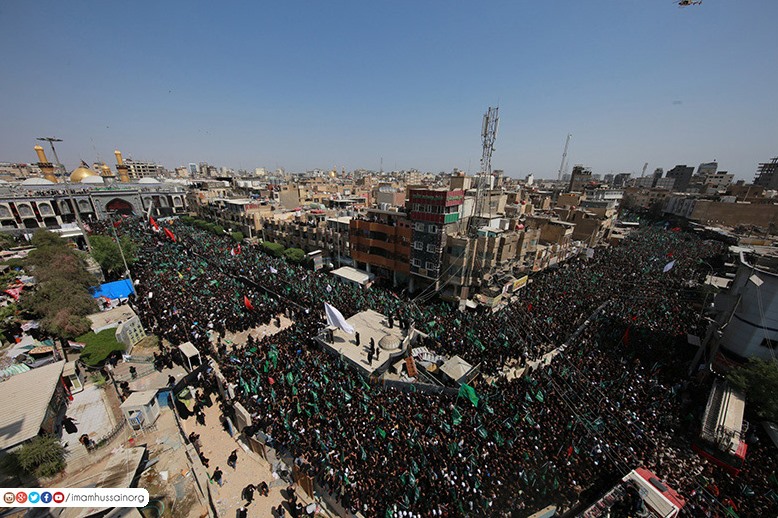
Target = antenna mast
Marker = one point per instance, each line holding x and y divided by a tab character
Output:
488	136
563	165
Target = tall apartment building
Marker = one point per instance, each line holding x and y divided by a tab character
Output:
767	174
381	244
138	170
432	212
579	179
682	174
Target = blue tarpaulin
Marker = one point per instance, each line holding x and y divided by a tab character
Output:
114	290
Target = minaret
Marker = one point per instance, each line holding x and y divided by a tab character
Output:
46	167
121	168
106	173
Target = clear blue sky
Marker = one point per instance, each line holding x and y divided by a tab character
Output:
323	84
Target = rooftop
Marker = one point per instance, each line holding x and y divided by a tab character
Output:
24	399
110	318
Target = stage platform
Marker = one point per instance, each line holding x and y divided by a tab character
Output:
369	324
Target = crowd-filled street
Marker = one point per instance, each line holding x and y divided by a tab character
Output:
616	398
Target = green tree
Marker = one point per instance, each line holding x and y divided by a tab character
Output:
53	258
237	236
759	379
106	252
7	242
295	255
44	456
274	249
62	298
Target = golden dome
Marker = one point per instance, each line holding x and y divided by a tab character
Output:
80	173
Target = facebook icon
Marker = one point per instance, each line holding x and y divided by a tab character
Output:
33	497
46	497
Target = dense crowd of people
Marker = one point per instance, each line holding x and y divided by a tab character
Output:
613	400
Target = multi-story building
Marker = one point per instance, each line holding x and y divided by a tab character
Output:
138	169
718	181
310	231
707	168
555	240
580	178
432	212
235	214
667	184
682	174
621	180
729	213
381	244
767	174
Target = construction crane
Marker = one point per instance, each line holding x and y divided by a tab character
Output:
645	166
563	165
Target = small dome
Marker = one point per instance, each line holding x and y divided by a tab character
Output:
80	173
37	181
389	343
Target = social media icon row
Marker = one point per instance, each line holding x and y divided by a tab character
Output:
33	497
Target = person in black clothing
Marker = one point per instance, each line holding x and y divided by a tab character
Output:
263	488
248	493
203	459
133	372
232	460
217	476
356	338
70	425
242	512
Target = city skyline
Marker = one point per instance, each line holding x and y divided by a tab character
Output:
347	85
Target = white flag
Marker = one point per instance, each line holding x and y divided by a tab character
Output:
273	270
329	288
335	318
669	266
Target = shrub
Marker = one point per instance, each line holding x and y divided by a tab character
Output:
237	236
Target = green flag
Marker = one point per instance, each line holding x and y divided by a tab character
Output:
381	433
469	392
290	378
457	417
539	396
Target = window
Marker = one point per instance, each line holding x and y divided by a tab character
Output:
418	245
432	229
431	266
770	344
419	227
431	248
416	262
